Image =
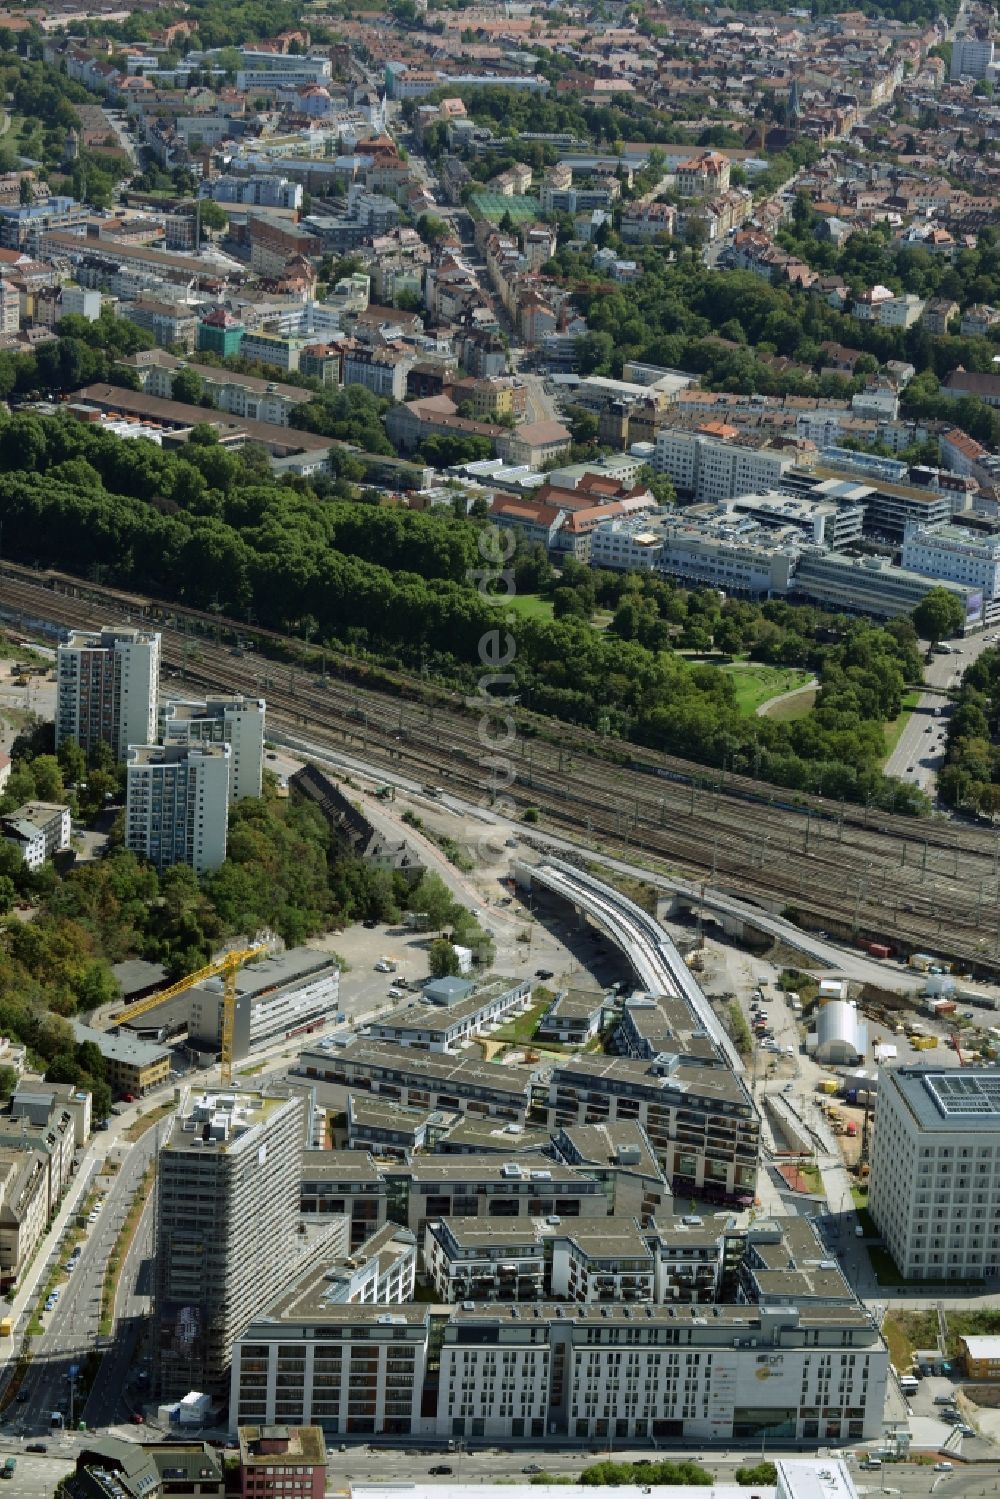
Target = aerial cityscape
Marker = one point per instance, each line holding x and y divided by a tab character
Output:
499	749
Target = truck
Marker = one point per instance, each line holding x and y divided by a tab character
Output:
9	1468
6	1327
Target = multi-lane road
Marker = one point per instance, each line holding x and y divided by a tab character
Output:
71	1328
919	751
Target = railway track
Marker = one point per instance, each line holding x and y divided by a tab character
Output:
914	884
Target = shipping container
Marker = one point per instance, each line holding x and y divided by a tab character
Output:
920	960
829	1086
879	950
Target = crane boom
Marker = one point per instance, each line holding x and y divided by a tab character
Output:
227	964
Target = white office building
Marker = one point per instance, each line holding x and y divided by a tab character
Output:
957	555
107	684
237	721
177	804
935	1180
627	544
731	552
711	466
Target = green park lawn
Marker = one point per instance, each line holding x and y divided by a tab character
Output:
755	684
530	605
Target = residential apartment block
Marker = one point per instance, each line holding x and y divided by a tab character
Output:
935	1180
344	1184
38	829
227	1215
532	1185
421	1079
261	190
237	722
240	395
107	685
700	1118
24	1208
803	1363
449	1012
131	1064
710	464
177	804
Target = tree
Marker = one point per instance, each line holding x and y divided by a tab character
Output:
187	386
760	1473
443	959
47	776
101	1100
213	215
72	762
432	897
431	229
989	800
939	615
8	1081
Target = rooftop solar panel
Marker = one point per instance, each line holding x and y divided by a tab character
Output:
973	1096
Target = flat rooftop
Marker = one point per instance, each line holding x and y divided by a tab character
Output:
405	1064
610	1239
470	1134
623	1146
689	1080
731	1315
963	1101
369	1111
220	1120
338	1165
496	1235
298	1444
529	1166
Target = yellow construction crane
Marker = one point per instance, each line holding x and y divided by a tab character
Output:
227	964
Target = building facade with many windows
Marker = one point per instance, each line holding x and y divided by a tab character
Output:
107	685
935	1179
177	804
